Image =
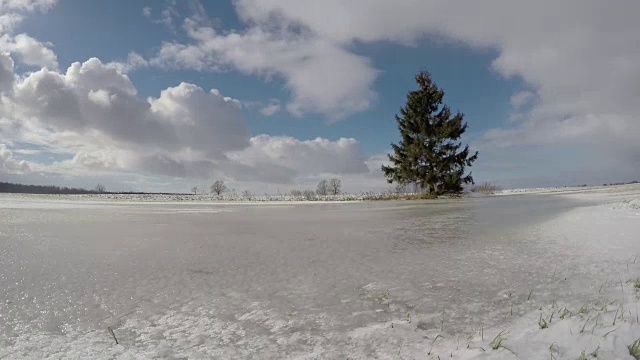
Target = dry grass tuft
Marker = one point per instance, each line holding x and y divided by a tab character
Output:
486	188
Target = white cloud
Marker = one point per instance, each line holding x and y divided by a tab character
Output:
96	160
146	11
322	76
206	121
9	21
167	15
134	61
92	114
94	105
26	5
288	155
101	97
12	12
272	108
9	165
521	99
371	180
344	22
368	178
30	50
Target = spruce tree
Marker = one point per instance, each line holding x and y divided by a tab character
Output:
429	154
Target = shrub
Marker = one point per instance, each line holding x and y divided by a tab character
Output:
486	188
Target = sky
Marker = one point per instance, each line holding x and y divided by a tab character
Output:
274	95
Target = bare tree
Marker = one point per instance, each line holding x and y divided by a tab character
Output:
486	188
100	188
296	193
218	187
309	195
323	188
334	186
247	195
194	190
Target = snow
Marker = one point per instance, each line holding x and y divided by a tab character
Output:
593	190
100	199
202	279
604	325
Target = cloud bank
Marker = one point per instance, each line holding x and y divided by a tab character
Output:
93	114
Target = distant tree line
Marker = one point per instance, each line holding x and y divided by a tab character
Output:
6	187
621	183
324	188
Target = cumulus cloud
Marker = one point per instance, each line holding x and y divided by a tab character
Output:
9	21
308	157
88	97
134	61
97	101
30	50
94	104
93	114
101	97
322	76
206	121
272	108
12	11
9	165
99	160
26	5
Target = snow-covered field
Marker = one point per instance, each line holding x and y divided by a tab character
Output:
199	198
554	273
597	190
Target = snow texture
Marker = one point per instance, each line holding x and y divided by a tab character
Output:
554	276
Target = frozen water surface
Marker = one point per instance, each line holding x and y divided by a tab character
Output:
206	281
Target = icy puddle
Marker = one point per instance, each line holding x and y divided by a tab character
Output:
353	280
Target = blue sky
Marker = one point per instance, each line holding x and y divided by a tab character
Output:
334	77
81	29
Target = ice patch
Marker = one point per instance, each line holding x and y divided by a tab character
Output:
206	295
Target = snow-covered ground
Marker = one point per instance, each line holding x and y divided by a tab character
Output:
199	198
554	273
597	190
604	326
232	197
